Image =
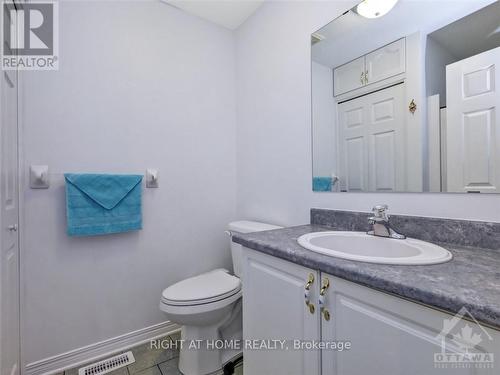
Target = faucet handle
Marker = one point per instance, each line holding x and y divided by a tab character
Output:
380	211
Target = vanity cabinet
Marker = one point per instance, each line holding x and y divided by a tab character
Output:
390	335
274	309
387	334
376	66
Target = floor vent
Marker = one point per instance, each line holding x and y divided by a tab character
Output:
108	365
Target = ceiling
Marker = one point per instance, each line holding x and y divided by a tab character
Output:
471	35
227	13
351	35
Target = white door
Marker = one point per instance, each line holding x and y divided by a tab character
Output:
390	336
274	308
372	136
353	145
9	212
473	123
349	76
386	62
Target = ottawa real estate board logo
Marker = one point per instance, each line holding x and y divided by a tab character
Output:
30	35
462	339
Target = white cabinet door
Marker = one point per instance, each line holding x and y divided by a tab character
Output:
372	139
389	335
386	62
349	77
473	123
274	309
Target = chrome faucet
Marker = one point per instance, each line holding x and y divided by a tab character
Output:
381	225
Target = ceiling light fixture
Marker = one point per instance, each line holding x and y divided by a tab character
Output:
375	8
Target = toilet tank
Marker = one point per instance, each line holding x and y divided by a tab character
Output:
245	227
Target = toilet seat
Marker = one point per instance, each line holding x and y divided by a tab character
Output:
193	310
203	289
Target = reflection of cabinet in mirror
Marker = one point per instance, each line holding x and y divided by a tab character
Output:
376	66
349	77
386	62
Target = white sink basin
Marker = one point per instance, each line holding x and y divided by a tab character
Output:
366	248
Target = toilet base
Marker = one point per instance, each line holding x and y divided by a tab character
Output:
199	354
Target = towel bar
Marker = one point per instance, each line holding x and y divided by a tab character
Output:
40	176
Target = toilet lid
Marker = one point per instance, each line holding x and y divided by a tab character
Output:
204	288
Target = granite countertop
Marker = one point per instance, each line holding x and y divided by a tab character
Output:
471	279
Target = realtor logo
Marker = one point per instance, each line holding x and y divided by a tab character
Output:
460	346
30	35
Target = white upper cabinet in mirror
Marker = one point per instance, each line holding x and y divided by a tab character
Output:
408	101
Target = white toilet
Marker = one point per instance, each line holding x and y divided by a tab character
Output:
208	307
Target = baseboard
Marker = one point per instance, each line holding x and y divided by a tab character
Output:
99	350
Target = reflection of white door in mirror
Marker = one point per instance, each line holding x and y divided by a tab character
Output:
372	131
473	124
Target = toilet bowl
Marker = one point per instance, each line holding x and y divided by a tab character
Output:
208	307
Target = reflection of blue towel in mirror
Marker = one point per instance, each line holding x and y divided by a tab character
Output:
103	203
322	184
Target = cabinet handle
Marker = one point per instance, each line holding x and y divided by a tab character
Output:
307	292
310	281
326	314
324	287
366	77
312	309
362	78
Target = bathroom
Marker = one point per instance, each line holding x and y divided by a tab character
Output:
217	111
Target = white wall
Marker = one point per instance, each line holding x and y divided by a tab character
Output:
274	126
436	59
323	117
140	84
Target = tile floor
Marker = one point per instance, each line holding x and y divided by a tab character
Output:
150	361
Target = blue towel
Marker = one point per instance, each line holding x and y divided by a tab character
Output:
102	204
322	184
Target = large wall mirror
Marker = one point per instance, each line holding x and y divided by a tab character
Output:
406	98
